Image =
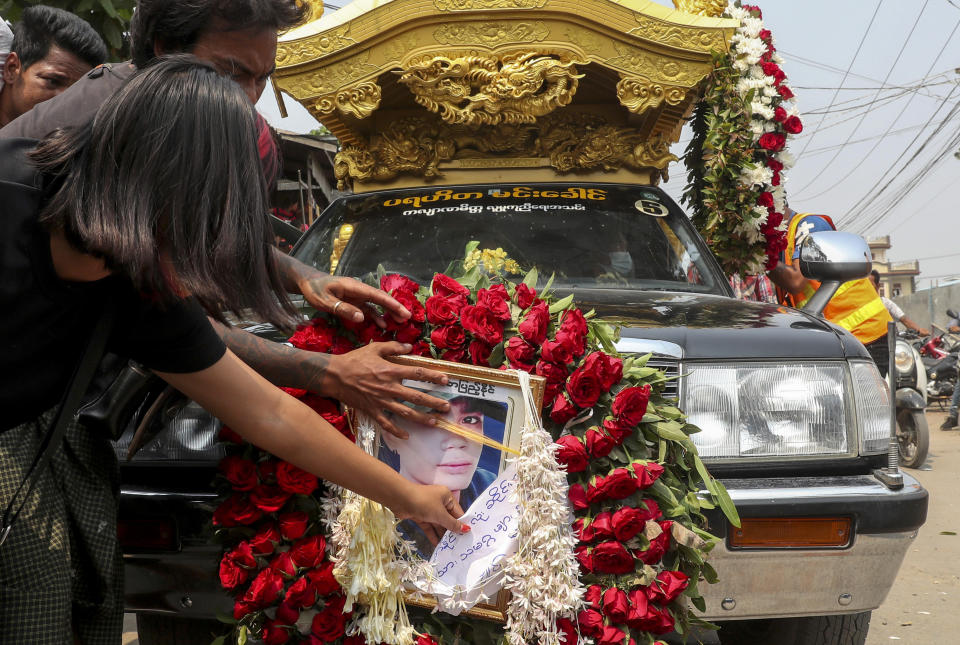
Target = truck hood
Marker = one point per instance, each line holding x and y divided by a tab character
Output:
717	327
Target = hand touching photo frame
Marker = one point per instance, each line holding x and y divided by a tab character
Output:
466	453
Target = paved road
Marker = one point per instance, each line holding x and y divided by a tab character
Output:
923	607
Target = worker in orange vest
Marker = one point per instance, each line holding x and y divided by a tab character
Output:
856	306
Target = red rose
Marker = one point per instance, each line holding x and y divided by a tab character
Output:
341	345
562	410
609	369
534	325
572	342
765	199
765	35
578	497
226	434
308	552
524	296
293	525
785	92
323	581
630	405
267	469
601	525
448	337
421	348
496	301
408	300
295	480
572	454
241	609
656	620
328	625
393	281
315	336
357	639
425	639
611	636
592	596
232	574
454	355
243	555
236	511
555	352
480	353
265	540
773	164
274	634
240	472
327	408
771	141
617	430
300	594
371	333
618	484
627	522
264	589
283	563
286	613
269	499
574	320
408	332
779	114
667	586
583	530
443	285
793	125
612	557
638	607
444	311
591	623
519	351
646	473
567	630
573	331
658	546
482	323
551	371
599	443
650	509
584	388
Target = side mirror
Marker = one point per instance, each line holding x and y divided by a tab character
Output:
832	258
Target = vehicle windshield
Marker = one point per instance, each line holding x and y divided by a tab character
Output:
588	236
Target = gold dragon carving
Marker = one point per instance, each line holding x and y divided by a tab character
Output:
489	90
491	33
571	142
358	101
709	8
305	50
639	94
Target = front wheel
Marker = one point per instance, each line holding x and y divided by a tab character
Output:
848	629
913	437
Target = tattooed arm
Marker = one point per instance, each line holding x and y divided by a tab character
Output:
363	379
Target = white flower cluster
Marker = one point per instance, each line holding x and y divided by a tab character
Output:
543	574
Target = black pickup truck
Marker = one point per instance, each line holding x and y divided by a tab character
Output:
794	415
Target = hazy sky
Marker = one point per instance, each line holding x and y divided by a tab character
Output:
895	63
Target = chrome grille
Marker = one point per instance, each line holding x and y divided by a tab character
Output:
672	367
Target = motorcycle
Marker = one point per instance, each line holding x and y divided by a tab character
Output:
913	434
940	358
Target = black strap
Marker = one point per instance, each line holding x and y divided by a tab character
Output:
68	408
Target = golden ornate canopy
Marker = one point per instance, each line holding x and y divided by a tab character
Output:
446	90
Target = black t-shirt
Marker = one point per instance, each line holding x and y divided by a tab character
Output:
45	321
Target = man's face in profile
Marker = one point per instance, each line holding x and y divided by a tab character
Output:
39	82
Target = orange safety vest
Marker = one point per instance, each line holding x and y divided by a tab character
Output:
856	306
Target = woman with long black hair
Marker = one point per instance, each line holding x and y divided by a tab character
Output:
155	206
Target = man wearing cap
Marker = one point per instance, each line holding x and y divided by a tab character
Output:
856	306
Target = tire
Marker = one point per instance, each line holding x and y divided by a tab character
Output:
913	437
847	629
159	629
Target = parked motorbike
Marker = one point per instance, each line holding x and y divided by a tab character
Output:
913	434
940	358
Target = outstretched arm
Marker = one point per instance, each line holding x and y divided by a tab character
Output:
909	324
362	379
287	428
788	277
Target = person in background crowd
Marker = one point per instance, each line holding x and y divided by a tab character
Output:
953	326
50	51
6	40
895	312
856	306
757	288
239	38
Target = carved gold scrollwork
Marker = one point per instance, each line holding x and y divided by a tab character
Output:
639	94
487	90
711	8
462	5
358	101
683	37
491	33
300	51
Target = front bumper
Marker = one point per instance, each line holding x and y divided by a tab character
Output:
768	583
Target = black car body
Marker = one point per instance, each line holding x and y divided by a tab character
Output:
792	411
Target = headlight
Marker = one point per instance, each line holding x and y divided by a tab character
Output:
767	409
190	434
903	358
873	407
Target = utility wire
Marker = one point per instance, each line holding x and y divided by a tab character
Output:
847	73
817	151
862	118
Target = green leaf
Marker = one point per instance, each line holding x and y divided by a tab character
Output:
470	248
709	573
699	603
531	278
672	430
226	619
242	635
704	475
546	287
109	9
726	504
112	34
561	304
497	355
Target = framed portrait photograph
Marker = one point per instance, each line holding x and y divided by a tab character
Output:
468	453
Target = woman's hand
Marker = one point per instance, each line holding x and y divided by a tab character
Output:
430	505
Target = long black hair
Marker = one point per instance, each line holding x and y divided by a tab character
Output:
165	184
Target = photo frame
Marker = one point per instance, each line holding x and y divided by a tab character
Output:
482	398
